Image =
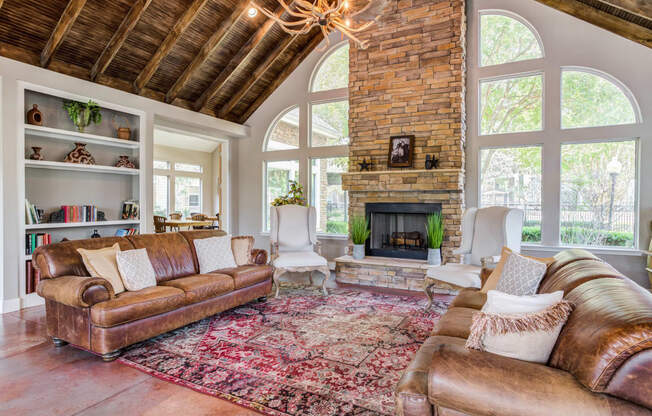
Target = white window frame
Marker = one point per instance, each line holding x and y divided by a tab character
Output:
167	202
552	136
305	152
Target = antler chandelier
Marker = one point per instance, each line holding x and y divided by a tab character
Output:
329	15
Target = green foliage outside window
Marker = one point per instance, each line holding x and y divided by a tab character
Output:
511	105
505	39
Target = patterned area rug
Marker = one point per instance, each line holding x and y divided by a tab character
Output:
300	354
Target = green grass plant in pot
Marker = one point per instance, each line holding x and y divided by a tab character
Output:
359	234
434	237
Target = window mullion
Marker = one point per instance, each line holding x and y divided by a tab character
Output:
551	183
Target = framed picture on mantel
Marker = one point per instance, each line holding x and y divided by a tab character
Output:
401	149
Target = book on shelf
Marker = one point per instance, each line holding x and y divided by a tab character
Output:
33	215
32	277
123	232
79	213
34	240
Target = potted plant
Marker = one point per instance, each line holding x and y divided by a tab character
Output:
434	237
359	234
294	196
82	114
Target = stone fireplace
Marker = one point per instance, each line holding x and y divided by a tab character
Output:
409	81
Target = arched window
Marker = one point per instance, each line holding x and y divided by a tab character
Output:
506	37
592	99
333	71
325	130
284	133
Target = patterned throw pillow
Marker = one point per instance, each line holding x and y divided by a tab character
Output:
521	327
521	275
136	270
214	253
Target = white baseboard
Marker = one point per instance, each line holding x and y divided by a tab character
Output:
11	305
15	304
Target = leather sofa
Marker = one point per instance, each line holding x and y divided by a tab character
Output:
601	364
84	311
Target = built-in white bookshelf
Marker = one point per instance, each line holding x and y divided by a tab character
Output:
51	183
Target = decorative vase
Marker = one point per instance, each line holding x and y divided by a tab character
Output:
80	121
124	133
34	116
124	162
434	256
80	155
37	153
358	251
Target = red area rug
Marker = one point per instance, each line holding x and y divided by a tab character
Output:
300	354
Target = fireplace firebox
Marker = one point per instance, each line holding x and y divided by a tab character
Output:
398	229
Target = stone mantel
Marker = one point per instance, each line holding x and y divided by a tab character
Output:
434	180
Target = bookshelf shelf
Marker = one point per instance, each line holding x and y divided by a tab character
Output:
59	134
46	164
52	226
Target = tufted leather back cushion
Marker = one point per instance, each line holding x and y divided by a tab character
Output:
169	253
569	256
191	236
574	274
611	322
62	259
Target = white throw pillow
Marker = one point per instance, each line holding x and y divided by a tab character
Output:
214	253
521	327
521	275
135	269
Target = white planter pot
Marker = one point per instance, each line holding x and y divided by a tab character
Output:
358	251
434	256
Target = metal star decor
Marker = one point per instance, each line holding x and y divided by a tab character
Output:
364	165
329	15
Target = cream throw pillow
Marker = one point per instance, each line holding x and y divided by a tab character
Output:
136	270
214	253
102	263
241	247
494	277
521	327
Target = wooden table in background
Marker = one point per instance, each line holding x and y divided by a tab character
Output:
187	223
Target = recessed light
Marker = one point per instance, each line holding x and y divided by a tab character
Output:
252	12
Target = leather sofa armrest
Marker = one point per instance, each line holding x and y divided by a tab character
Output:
481	383
76	291
259	256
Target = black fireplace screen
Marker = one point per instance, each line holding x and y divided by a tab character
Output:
398	229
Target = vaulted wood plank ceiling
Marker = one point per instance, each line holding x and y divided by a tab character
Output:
203	55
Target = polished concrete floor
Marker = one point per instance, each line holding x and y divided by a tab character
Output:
38	379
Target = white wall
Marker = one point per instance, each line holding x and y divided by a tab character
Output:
250	156
568	42
11	72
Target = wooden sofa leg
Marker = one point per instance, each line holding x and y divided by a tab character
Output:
58	342
262	299
110	356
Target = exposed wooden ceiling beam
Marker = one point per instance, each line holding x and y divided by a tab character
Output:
289	68
1	1
258	73
239	59
604	20
168	43
211	44
119	37
642	8
68	17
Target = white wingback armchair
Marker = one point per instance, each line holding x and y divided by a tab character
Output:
294	243
484	233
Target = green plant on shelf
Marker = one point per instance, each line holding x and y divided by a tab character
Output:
83	114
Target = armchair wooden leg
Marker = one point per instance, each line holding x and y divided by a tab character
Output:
310	277
327	273
427	284
277	274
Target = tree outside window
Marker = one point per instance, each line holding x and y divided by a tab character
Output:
327	196
277	182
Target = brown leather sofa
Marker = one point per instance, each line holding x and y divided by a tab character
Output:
601	364
85	312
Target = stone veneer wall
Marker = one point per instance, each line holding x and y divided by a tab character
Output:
410	80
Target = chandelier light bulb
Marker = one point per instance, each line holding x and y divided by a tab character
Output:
252	12
346	4
348	22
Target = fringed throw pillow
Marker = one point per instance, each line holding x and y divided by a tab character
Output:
241	247
521	327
